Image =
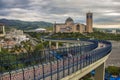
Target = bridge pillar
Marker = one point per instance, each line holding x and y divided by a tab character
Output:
57	44
67	45
100	72
50	44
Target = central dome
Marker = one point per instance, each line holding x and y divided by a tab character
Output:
69	19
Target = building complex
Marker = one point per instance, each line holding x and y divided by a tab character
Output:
70	26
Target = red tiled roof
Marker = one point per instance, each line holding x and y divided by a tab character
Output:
1	24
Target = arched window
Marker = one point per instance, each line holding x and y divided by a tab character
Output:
78	27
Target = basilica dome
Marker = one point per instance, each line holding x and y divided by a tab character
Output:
69	19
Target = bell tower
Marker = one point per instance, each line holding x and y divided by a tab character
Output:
89	22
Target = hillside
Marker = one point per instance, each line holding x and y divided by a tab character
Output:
25	25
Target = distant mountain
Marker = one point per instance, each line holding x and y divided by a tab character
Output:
25	25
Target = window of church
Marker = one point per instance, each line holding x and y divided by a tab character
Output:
68	28
78	27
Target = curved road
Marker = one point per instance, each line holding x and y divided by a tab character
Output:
82	56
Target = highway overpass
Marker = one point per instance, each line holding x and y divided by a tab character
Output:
70	63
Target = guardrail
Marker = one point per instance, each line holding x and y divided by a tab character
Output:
51	68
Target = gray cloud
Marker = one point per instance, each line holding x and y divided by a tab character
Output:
105	11
14	4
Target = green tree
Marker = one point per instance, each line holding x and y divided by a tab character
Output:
39	46
113	70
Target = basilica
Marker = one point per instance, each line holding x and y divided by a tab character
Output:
69	26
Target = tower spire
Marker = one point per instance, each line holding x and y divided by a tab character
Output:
89	22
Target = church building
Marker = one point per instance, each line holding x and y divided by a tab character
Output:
69	26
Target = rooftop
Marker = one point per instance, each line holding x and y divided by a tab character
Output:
69	19
1	24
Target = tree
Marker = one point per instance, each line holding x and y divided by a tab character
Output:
113	70
27	45
39	46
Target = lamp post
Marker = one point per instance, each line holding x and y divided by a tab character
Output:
0	47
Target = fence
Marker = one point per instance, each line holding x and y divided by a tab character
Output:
52	68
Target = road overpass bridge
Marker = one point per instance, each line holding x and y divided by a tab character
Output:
70	63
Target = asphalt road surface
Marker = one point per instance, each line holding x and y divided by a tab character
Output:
114	58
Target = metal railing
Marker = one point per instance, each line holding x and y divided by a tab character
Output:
52	67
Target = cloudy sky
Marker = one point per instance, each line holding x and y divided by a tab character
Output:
104	11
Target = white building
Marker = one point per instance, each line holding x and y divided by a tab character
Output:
37	30
2	30
40	30
114	31
17	35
